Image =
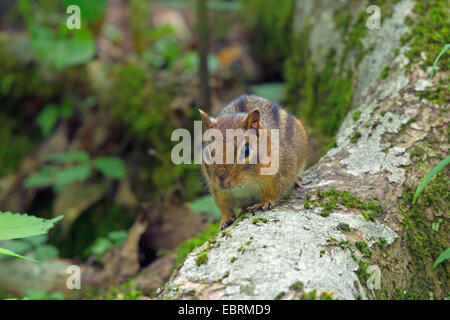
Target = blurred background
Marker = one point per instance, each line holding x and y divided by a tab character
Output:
86	117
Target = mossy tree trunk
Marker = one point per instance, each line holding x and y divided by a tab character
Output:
353	222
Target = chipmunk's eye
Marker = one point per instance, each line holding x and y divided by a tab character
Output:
246	150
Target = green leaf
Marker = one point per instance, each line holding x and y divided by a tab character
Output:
43	178
443	256
70	156
430	175
99	247
47	118
13	254
271	91
445	48
91	10
112	167
14	225
46	251
117	237
64	48
76	173
19	246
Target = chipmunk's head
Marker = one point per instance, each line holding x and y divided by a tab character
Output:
230	148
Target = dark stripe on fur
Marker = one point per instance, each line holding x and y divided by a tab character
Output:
290	127
241	104
275	114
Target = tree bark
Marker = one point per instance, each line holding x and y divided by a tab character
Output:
381	154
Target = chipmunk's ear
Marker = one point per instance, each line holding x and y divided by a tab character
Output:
207	121
252	120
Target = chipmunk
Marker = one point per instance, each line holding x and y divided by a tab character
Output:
236	185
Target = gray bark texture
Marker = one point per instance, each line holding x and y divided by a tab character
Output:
292	250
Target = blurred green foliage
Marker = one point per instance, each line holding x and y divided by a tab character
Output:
50	114
51	41
73	166
271	24
92	11
43	295
206	204
113	239
36	245
14	145
272	91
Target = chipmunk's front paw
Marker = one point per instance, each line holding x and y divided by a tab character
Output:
298	183
226	223
261	206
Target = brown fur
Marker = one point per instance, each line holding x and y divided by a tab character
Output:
226	181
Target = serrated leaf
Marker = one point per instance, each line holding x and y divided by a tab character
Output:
112	167
442	257
429	176
13	254
14	225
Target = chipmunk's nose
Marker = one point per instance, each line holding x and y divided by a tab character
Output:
222	176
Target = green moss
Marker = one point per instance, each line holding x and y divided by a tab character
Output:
355	136
424	244
322	252
241	249
331	199
188	246
326	295
226	234
309	295
356	115
363	248
362	273
344	244
202	258
439	94
259	219
307	204
297	286
233	259
344	227
382	243
385	72
280	295
429	32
